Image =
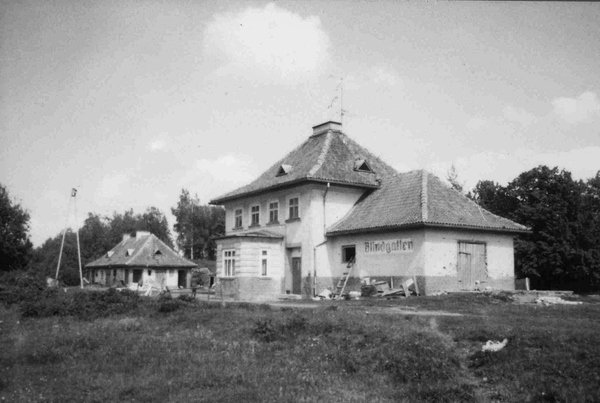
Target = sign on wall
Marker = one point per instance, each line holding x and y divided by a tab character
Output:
393	246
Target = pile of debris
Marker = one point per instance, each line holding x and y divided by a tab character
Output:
374	289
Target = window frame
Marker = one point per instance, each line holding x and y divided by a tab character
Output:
253	214
240	216
228	263
264	263
296	207
273	210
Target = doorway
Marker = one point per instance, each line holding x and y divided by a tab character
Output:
472	264
296	275
181	279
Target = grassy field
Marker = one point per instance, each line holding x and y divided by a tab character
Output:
353	351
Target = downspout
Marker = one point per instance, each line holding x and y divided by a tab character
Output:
322	243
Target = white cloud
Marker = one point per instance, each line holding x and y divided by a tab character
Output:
577	110
519	115
269	40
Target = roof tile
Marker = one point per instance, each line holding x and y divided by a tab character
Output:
144	249
418	197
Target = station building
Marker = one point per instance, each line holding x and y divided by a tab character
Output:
331	207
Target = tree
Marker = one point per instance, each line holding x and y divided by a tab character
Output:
196	225
153	220
45	259
15	245
563	249
97	236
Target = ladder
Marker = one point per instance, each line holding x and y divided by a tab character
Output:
341	285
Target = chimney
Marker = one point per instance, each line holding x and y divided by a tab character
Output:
126	237
327	127
139	234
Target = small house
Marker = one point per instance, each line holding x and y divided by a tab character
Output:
142	259
331	207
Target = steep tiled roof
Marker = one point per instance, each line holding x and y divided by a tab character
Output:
418	198
325	157
141	251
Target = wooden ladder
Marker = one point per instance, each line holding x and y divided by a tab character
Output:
341	285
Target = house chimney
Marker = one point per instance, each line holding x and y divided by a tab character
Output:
126	237
326	127
139	234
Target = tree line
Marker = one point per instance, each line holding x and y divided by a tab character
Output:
100	233
562	251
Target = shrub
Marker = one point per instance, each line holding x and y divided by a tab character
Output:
187	298
264	330
18	286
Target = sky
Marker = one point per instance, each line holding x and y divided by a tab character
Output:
132	101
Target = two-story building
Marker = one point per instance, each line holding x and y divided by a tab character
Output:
330	206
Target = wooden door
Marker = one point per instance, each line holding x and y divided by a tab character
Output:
296	275
472	264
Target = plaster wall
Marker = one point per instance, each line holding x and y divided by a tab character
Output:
248	283
301	235
441	258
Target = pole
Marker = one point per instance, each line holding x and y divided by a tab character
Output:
78	247
192	227
63	240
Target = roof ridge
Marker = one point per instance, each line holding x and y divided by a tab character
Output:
321	158
140	248
424	196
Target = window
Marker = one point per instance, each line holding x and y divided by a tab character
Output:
229	263
293	205
348	253
255	215
284	169
137	275
264	263
362	165
149	272
238	218
273	212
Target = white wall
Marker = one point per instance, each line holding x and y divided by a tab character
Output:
441	251
371	263
248	256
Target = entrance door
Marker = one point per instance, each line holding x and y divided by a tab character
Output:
181	283
471	264
296	275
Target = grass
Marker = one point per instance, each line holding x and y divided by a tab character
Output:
171	350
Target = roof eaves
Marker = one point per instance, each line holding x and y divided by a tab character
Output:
419	224
284	185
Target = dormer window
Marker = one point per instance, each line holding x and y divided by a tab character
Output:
110	253
284	170
129	252
361	165
157	252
